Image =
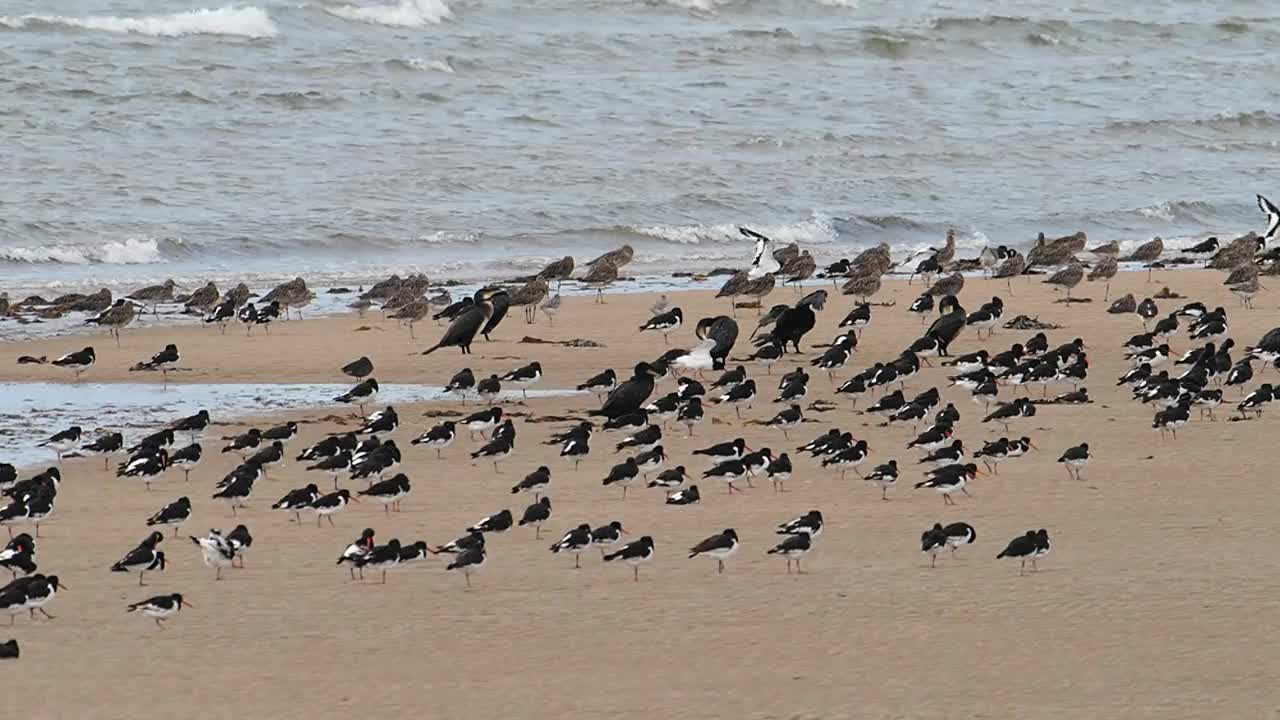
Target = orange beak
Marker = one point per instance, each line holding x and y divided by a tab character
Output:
184	603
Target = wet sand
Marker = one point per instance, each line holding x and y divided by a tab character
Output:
1148	605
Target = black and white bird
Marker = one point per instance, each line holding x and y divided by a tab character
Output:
499	522
381	557
265	456
858	318
143	559
496	450
1273	219
1074	459
575	541
810	524
482	422
333	464
535	482
467	562
948	480
688	496
779	472
731	450
957	534
175	514
691	414
355	553
463	382
147	467
193	425
622	474
524	377
885	475
382	421
163	361
601	384
389	492
645	439
18	556
295	501
216	551
439	437
106	445
671	480
850	457
719	546
77	362
238	489
364	392
326	506
330	446
64	441
665	323
740	395
1031	545
635	554
932	542
160	607
1256	400
536	514
1172	418
489	389
243	443
359	368
793	548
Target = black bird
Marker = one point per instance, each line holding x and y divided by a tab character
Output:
381	557
536	514
739	395
644	439
64	441
524	377
690	414
281	432
730	378
810	524
145	467
360	394
359	368
106	446
467	562
634	553
175	514
793	324
329	447
9	650
268	455
1075	458
461	383
356	552
719	546
631	395
489	388
501	302
859	317
946	328
673	479
469	321
333	464
574	541
326	505
495	450
535	482
789	418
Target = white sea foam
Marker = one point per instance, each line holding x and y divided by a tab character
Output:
249	22
817	230
418	63
133	251
406	13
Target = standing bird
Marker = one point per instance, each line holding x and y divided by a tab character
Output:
574	541
634	554
77	362
551	308
160	607
719	546
1068	277
631	395
1031	545
105	445
529	296
1074	459
1148	252
536	514
1105	269
362	393
162	361
115	318
143	559
359	368
154	295
175	513
599	277
356	553
1012	267
467	324
524	377
559	270
64	441
201	301
665	323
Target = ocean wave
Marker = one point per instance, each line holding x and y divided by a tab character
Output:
299	100
133	251
406	13
817	230
1221	121
1171	210
250	22
418	64
892	47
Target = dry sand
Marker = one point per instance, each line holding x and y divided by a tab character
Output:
1154	603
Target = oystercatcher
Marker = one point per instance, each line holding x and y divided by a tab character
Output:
461	383
601	384
143	559
1074	459
793	548
719	546
362	393
850	457
634	554
574	541
160	607
495	450
215	550
64	441
355	553
810	524
326	505
949	479
728	472
622	474
536	514
499	522
779	472
886	476
932	541
295	501
690	414
380	557
146	467
489	388
1026	547
688	496
382	421
243	443
175	514
524	377
467	562
106	445
77	362
665	323
671	480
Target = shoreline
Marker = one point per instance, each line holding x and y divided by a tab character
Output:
1101	587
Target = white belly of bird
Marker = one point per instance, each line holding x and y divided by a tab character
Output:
159	612
954	487
723	553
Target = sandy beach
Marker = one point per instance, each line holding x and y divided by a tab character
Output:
1145	608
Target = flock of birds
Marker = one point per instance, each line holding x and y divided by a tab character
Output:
640	417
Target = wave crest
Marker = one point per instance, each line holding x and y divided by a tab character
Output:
817	230
250	22
406	13
133	251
